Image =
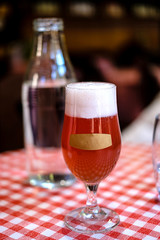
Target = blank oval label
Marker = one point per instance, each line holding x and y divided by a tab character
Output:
95	141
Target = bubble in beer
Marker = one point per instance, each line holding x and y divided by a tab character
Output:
91	100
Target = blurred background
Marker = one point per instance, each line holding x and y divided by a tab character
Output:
113	41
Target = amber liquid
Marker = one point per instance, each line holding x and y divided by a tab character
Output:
91	166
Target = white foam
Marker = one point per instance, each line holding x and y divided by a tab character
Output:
91	100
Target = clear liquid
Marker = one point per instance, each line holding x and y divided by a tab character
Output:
43	109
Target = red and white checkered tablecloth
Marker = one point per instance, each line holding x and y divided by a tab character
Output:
33	213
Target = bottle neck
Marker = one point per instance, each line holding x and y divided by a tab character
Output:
48	44
49	60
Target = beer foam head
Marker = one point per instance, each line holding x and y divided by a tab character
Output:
90	100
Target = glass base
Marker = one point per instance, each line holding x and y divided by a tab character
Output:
101	221
51	180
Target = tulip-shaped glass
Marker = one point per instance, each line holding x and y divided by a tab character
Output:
91	143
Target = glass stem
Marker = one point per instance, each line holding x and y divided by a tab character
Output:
92	207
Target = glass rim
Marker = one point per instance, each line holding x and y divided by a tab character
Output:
48	24
102	86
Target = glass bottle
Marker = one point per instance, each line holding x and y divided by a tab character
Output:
43	99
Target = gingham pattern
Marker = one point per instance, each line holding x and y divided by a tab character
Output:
32	213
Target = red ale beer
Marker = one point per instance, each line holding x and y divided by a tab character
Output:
91	139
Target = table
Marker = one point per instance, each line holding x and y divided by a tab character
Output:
33	213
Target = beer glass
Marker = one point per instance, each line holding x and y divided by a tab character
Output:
156	152
91	144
